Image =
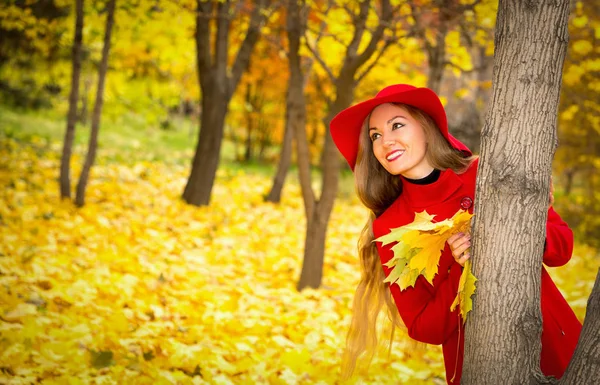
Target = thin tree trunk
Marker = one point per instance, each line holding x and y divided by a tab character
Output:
318	218
437	60
285	158
93	144
584	367
265	137
65	163
296	102
84	110
249	123
518	143
218	83
287	146
569	175
318	212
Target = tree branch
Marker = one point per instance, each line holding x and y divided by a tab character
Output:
222	39
359	29
360	77
321	61
384	20
203	16
321	92
243	56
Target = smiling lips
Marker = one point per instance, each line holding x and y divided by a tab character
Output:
393	155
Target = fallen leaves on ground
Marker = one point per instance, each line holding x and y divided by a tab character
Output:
138	287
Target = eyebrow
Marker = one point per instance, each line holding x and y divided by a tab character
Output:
389	121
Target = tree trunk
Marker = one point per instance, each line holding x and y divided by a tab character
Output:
437	60
218	83
204	167
84	110
266	134
285	158
250	124
93	144
585	364
569	175
518	143
318	212
65	163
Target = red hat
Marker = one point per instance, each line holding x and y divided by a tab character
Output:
345	127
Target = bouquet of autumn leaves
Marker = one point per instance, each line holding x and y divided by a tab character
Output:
418	251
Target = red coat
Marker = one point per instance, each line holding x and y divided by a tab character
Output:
425	308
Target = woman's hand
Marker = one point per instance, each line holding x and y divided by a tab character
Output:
459	243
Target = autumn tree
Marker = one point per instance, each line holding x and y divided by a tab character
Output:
93	143
518	143
285	154
218	81
29	32
295	107
450	33
359	50
254	121
65	164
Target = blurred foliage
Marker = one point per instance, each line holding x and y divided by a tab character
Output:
577	159
139	288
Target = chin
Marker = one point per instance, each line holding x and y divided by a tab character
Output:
395	171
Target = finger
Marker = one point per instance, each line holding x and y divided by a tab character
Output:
460	242
461	261
461	250
455	237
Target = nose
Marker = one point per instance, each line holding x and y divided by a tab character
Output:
388	141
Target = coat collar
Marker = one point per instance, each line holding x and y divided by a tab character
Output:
423	196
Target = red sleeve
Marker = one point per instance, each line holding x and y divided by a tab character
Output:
425	309
559	240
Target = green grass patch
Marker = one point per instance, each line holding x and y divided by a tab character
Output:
130	138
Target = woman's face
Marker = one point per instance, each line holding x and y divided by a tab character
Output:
399	142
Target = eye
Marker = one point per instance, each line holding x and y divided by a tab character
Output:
396	126
375	136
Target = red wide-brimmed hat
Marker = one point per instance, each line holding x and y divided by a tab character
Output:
345	127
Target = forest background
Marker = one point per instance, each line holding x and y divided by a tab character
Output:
138	286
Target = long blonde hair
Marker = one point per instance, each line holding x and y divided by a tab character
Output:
378	189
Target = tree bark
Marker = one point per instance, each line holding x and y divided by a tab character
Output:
218	83
285	159
436	58
65	163
585	363
206	159
518	143
93	144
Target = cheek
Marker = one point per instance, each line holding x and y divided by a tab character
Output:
377	150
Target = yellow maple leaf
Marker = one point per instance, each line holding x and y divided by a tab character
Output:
419	246
466	289
428	258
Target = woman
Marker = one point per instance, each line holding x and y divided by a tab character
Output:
405	161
